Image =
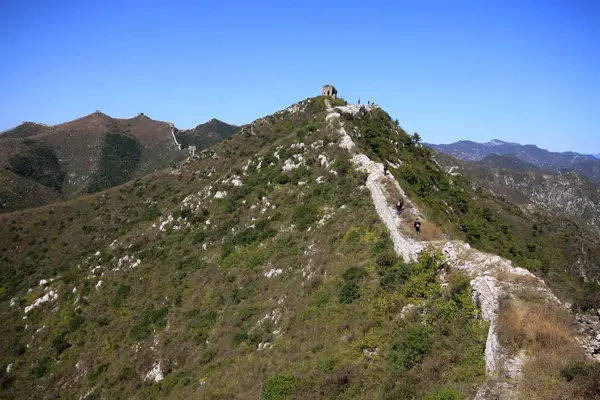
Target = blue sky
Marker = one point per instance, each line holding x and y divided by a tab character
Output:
518	70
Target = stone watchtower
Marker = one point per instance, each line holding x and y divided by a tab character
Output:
329	90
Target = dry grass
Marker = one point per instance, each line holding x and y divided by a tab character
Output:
429	231
391	193
544	331
533	325
528	280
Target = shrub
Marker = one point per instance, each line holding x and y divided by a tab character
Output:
60	344
349	293
198	237
305	215
386	261
240	337
41	367
444	394
343	166
154	319
580	370
412	346
75	321
353	274
208	356
278	387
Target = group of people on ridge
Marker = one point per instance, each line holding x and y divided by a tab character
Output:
400	208
370	103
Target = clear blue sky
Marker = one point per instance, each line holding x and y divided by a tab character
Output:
518	70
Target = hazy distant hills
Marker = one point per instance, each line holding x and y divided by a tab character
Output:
507	161
586	164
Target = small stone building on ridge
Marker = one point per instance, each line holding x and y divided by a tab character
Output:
329	90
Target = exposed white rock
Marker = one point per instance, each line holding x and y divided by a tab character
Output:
273	272
99	285
13	301
264	346
50	296
371	353
326	216
220	194
324	162
316	145
298	146
354	108
406	310
297	160
320	179
163	224
8	368
155	374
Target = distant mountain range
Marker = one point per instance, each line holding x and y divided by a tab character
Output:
586	164
566	194
41	164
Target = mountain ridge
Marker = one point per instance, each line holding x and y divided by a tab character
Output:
585	164
274	265
94	152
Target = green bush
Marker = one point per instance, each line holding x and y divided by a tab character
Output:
304	216
240	337
198	237
412	346
41	367
150	320
208	356
60	344
343	166
75	321
349	292
278	387
444	394
585	376
353	274
260	232
579	369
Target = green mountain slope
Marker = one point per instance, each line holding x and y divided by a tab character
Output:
259	269
207	134
91	154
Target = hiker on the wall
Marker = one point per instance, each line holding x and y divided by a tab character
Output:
417	225
385	169
400	206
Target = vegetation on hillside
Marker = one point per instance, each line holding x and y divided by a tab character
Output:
257	269
121	155
284	285
38	163
206	135
544	244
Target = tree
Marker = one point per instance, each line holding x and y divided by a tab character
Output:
416	137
